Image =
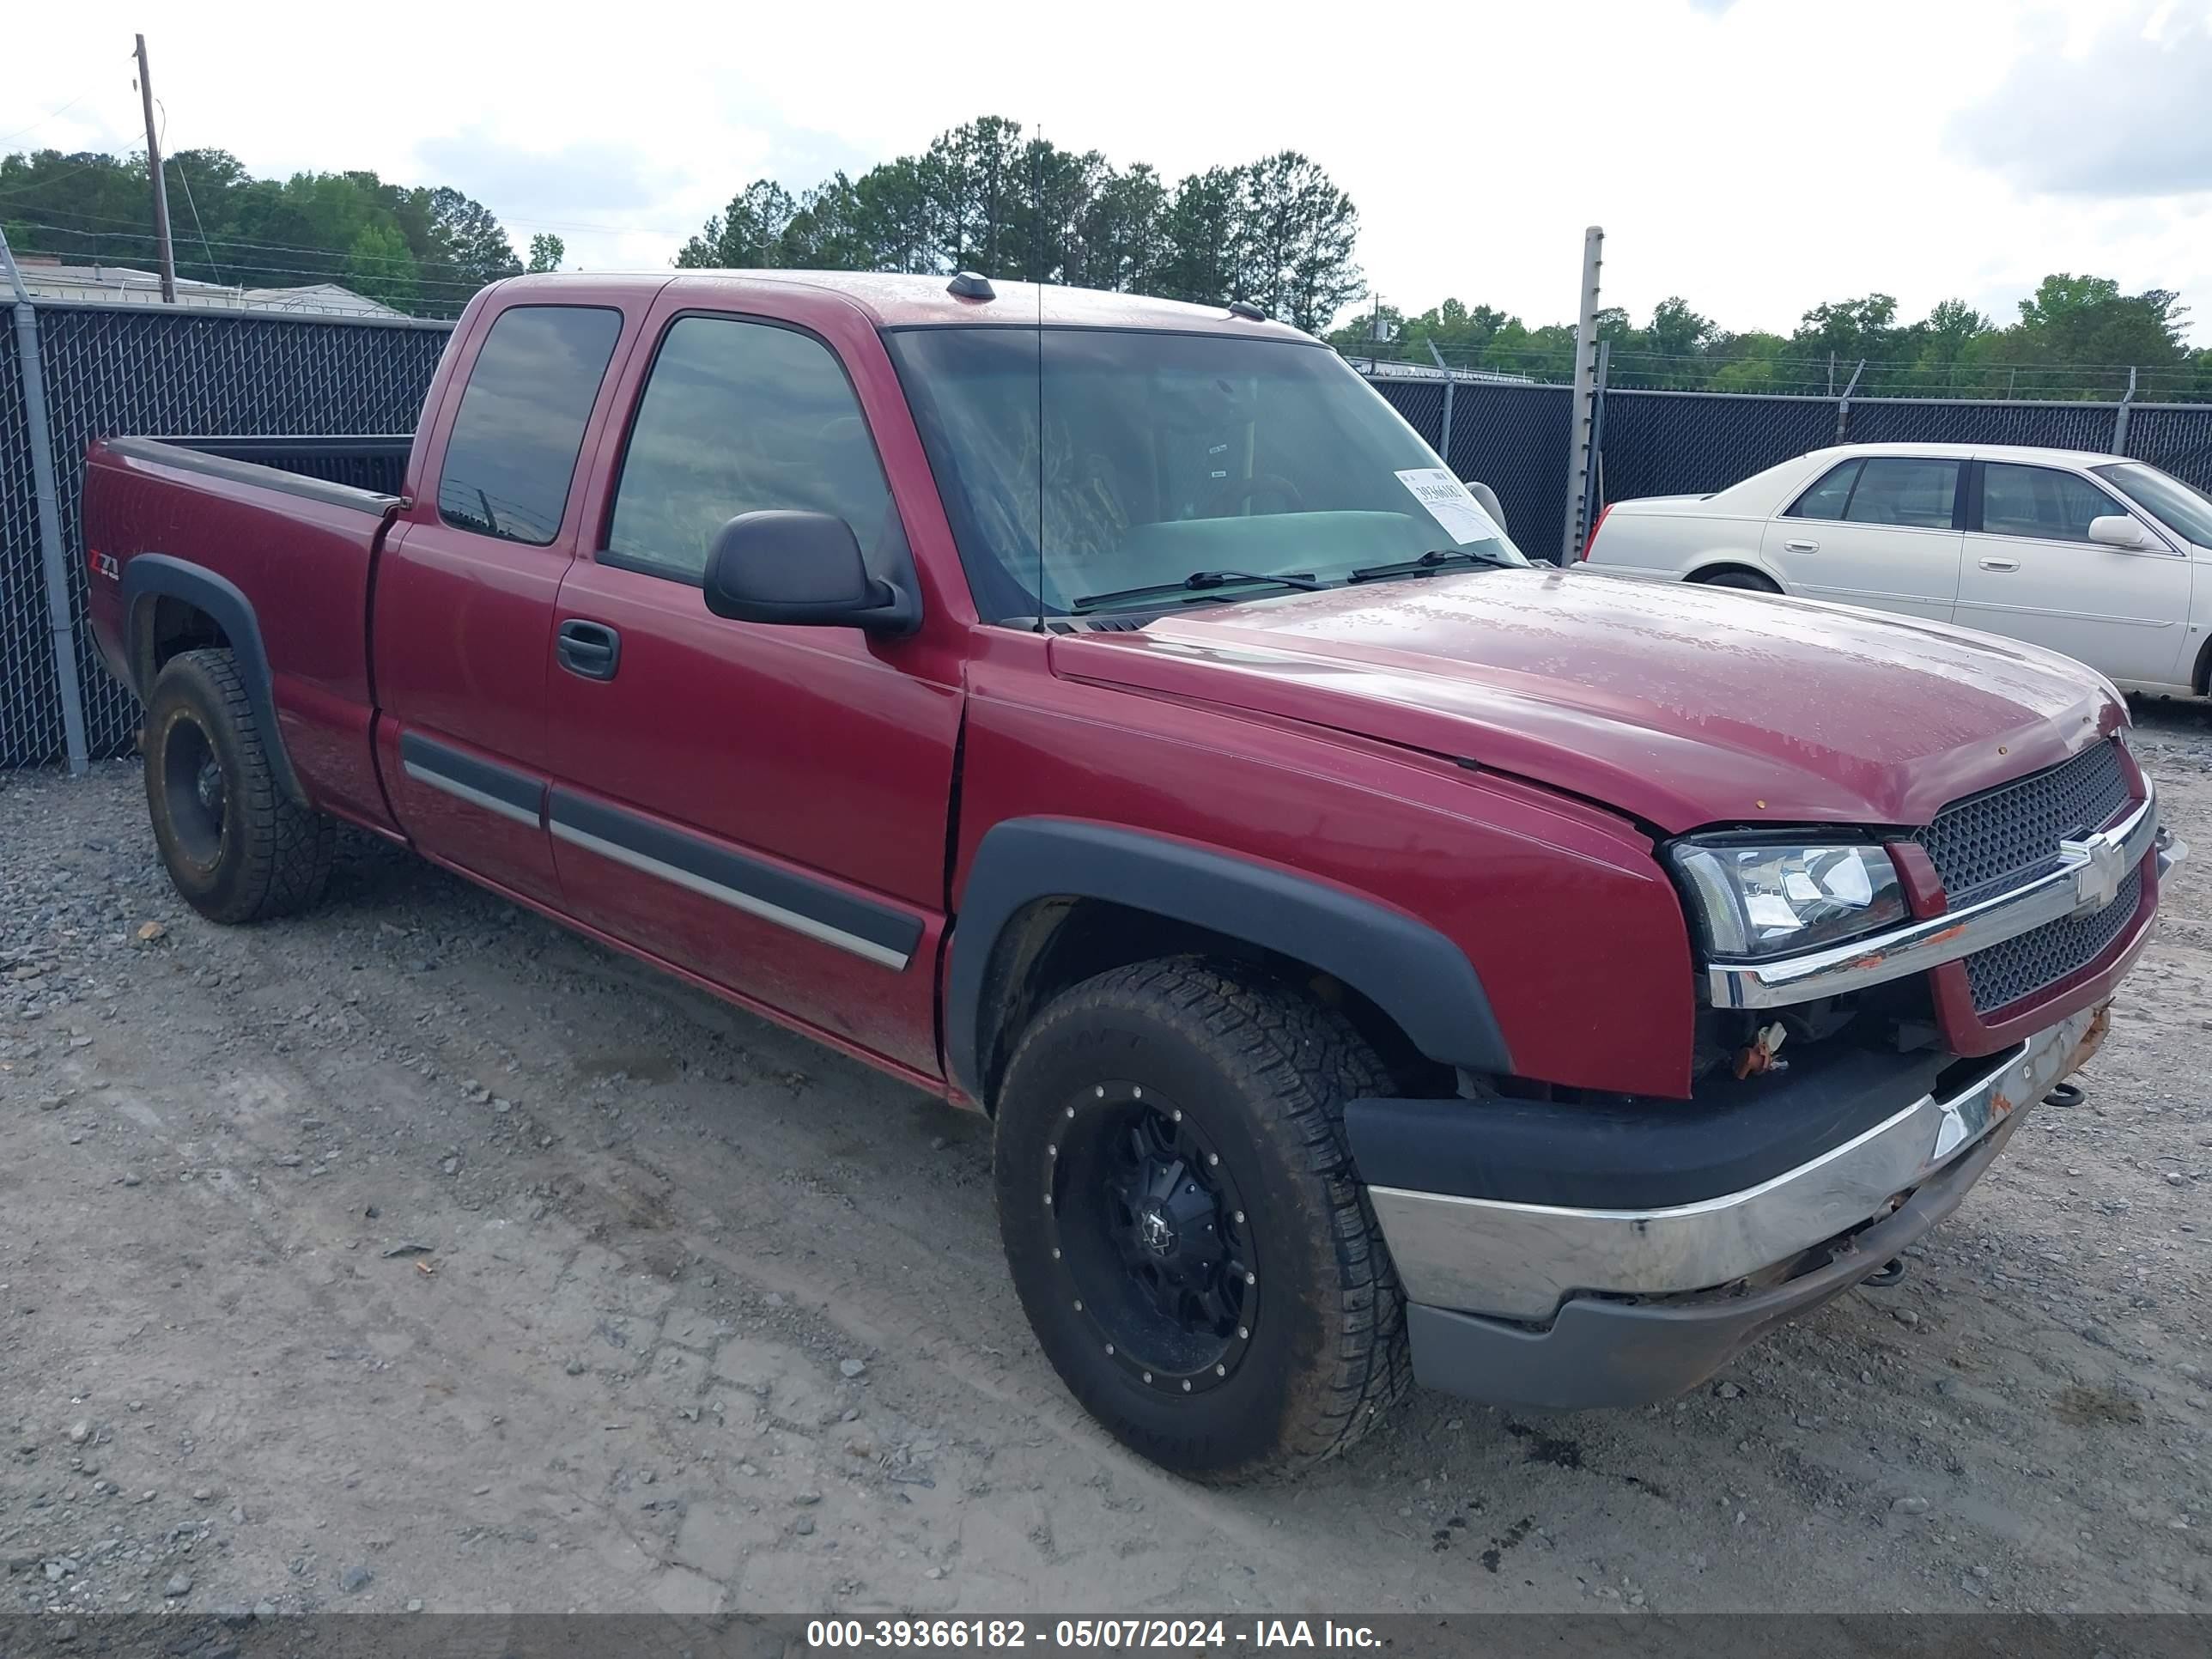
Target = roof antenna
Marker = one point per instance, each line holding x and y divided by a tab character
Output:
971	285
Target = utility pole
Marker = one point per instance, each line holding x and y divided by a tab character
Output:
161	182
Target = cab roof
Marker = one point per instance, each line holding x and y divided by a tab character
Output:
893	300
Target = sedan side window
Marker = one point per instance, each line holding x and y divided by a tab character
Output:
2040	501
1897	489
1827	499
737	417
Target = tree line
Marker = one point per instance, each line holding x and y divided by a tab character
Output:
2076	337
423	251
990	196
983	197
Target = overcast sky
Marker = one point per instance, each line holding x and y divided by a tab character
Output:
1756	156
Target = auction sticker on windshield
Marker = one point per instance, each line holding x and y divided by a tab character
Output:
1451	505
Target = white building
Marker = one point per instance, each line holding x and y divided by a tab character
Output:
48	278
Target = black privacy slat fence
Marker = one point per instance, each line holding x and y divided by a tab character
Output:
145	370
272	385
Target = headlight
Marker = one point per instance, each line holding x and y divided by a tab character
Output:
1771	898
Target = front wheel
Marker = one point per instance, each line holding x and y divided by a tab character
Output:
1182	1222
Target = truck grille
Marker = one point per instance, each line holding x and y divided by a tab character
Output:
2010	834
2021	967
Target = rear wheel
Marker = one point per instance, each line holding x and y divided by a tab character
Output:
238	848
1743	579
1182	1222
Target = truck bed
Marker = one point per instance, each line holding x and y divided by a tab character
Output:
282	524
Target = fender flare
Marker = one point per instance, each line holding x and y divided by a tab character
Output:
150	576
1405	967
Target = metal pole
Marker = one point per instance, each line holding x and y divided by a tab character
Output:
1843	404
1443	449
52	566
2120	422
161	182
1597	424
1583	415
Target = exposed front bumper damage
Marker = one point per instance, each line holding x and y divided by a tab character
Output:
1544	1306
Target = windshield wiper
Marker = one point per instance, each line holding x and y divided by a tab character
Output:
1428	564
1198	581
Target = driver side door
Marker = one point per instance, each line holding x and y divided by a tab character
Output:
764	807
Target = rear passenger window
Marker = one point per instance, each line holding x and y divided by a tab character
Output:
514	448
2037	500
1897	489
1826	499
740	417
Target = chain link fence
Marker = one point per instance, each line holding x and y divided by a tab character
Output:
195	373
1511	437
114	369
1690	443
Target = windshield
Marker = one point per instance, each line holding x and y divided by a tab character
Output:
1079	465
2187	512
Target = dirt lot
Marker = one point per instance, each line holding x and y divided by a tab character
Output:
418	1254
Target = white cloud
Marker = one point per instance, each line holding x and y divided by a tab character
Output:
2130	114
1756	157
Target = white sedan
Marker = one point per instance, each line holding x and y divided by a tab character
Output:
2092	555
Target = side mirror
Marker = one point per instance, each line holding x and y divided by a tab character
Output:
2119	529
802	569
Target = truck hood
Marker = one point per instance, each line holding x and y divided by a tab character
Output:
1681	705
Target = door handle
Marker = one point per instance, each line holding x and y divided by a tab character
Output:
589	648
2000	564
1798	544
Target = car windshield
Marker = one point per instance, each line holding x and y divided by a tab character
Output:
1091	468
2165	497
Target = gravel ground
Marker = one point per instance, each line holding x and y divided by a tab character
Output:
415	1254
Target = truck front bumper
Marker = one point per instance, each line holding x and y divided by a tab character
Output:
1548	1306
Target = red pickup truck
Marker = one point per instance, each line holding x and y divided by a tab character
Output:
1382	959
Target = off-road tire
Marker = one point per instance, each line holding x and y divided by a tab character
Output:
1263	1071
1742	581
255	852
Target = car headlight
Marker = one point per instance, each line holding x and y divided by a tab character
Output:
1767	898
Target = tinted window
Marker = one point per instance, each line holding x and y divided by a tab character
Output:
2038	500
738	418
1896	490
514	442
1826	499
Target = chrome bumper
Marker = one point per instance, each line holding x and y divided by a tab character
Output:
1521	1261
2088	874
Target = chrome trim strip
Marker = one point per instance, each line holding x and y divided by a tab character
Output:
2089	873
460	791
751	906
1520	1260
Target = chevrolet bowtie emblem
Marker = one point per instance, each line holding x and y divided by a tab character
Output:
2100	869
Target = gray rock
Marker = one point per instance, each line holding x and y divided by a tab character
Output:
1729	1391
180	1583
804	1526
805	1497
264	1608
576	1367
2175	1178
413	1604
79	1433
851	1367
237	1515
1911	1505
354	1579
